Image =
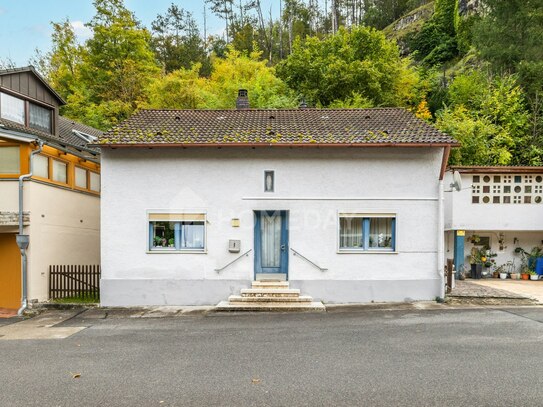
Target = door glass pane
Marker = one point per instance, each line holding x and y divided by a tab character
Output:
270	230
381	233
59	171
80	177
351	235
40	118
9	160
41	166
12	108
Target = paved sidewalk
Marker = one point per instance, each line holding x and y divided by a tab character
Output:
478	289
522	288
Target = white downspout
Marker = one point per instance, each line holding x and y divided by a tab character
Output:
24	300
441	241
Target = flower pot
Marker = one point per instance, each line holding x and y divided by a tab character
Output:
534	277
515	276
525	276
476	271
496	274
503	276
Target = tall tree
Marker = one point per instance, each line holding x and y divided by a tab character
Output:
357	63
119	61
176	39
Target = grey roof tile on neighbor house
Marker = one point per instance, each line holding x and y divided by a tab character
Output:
377	126
66	136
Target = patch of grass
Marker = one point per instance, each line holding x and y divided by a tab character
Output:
83	299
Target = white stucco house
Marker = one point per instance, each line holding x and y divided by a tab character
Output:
345	205
499	208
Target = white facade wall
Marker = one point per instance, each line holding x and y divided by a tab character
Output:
520	225
462	214
312	184
64	229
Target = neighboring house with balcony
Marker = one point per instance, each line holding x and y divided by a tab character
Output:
498	208
61	212
342	204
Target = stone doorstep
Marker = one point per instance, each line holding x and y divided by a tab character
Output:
289	292
270	284
264	298
278	306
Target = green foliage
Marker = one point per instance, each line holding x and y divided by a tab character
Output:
436	42
511	32
184	89
488	116
176	40
361	61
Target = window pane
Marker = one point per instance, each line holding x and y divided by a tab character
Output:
41	166
80	177
351	233
40	118
163	235
59	171
192	235
94	182
12	108
380	233
9	160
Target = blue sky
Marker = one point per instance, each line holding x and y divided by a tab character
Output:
25	24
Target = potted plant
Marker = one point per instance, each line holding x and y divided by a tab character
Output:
528	260
501	271
476	258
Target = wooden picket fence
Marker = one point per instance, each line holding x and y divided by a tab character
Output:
74	281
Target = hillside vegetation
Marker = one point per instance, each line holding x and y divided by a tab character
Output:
473	68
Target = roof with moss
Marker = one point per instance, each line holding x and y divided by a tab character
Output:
382	126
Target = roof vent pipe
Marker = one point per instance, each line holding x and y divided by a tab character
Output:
242	102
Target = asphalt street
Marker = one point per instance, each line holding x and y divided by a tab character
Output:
469	357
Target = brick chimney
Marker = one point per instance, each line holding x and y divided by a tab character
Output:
242	102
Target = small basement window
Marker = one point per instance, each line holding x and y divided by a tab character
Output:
364	232
181	232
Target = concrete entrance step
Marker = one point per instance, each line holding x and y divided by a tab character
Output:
272	292
264	298
270	306
271	277
270	284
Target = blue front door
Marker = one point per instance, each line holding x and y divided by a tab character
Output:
271	242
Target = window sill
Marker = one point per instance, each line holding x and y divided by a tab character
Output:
367	252
167	251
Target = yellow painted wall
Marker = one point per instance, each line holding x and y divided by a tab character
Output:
10	272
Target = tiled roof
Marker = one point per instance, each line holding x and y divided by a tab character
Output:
497	169
65	137
384	126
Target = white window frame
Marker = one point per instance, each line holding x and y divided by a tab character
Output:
174	214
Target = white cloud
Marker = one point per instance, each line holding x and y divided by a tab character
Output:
81	31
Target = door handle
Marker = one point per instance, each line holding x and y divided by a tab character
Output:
283	247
